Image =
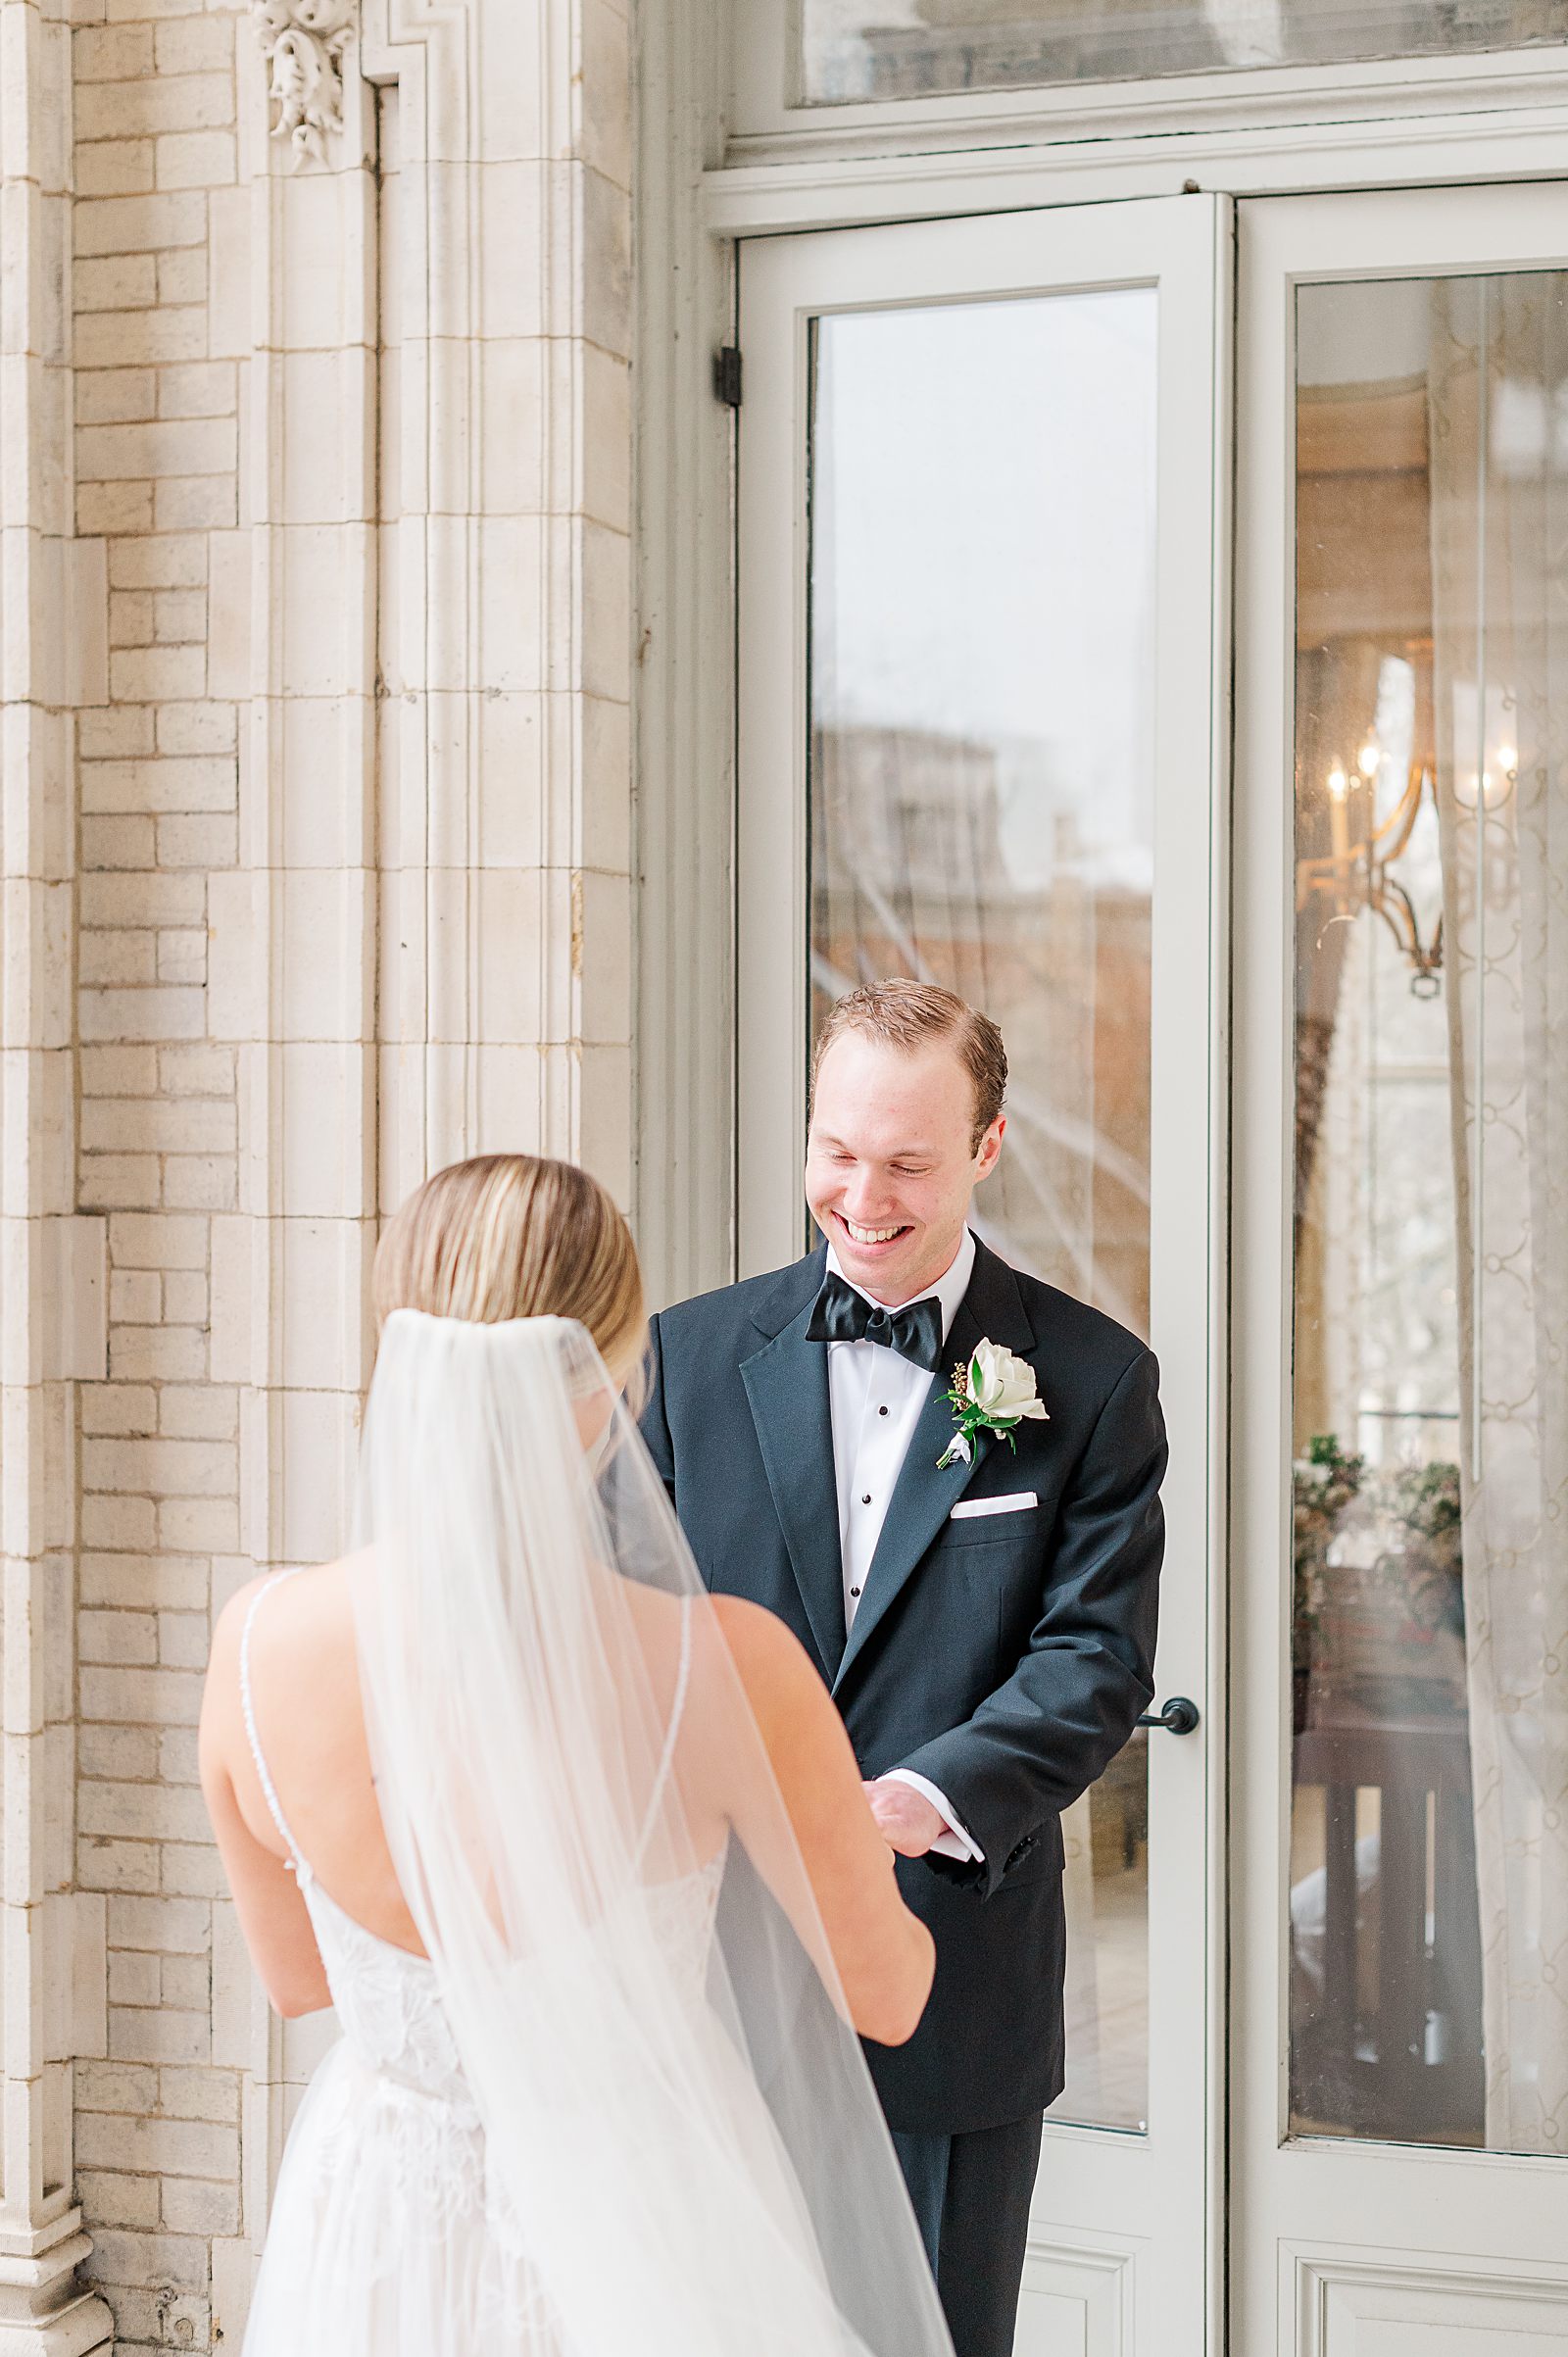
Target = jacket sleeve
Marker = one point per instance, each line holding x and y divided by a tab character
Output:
1057	1723
655	1422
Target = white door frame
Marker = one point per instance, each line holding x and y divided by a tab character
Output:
1322	2230
1462	123
1123	2224
707	177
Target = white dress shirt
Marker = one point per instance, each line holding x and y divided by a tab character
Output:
875	1399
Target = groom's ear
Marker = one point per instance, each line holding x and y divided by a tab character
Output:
989	1152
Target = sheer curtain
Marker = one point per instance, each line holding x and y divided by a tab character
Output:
1498	418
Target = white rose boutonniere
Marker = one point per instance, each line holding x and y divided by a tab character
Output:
995	1392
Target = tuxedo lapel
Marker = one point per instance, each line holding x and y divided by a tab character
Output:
922	1496
786	1386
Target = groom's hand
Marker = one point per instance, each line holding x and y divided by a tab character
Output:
907	1820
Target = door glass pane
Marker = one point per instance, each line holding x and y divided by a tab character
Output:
981	791
857	50
1429	1880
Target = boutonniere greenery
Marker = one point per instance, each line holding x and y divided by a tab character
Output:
994	1393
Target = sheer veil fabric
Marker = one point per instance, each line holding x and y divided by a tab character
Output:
681	2139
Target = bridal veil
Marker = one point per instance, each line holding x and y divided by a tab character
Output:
681	2131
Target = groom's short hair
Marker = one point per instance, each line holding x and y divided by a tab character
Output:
915	1014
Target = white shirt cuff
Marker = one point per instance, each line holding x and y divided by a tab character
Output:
955	1843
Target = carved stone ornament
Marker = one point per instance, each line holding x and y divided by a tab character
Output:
303	42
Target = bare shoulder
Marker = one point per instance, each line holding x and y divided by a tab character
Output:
323	1586
754	1634
230	1622
222	1655
302	1644
752	1637
773	1665
653	1611
219	1736
302	1618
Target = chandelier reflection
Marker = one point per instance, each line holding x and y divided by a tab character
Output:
1357	872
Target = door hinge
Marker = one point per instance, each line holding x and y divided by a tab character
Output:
727	376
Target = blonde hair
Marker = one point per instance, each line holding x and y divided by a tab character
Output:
912	1014
517	1235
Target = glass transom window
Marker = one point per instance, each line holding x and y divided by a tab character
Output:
856	51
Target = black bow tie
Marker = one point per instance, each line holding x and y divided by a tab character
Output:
840	1315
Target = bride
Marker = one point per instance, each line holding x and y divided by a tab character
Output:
579	1855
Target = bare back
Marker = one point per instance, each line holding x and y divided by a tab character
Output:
308	1721
299	1649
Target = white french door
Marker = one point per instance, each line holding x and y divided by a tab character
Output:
983	473
1399	1714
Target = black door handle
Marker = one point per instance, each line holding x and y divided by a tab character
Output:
1179	1715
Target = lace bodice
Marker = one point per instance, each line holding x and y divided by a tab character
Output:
387	2001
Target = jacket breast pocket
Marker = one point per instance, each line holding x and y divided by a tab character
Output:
993	1530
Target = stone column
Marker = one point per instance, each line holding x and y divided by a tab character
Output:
52	615
505	820
291	972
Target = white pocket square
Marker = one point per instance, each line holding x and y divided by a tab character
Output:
1014	1502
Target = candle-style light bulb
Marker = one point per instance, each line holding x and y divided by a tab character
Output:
1338	786
1369	761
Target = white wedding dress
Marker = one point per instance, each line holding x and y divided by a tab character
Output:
604	2114
388	2231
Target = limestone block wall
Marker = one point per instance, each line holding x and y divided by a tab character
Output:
316	862
157	476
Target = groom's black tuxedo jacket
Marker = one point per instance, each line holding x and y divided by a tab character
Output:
1005	1656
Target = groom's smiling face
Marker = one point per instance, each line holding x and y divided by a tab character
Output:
891	1161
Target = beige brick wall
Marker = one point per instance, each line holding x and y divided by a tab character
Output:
156	449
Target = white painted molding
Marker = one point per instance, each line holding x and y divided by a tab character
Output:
1092	2284
1499	114
304	42
806	186
1342	2301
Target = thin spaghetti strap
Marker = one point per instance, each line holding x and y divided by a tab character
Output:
672	1728
295	1861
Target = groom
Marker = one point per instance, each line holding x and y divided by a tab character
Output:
986	1627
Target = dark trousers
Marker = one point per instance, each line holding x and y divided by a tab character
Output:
971	2198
